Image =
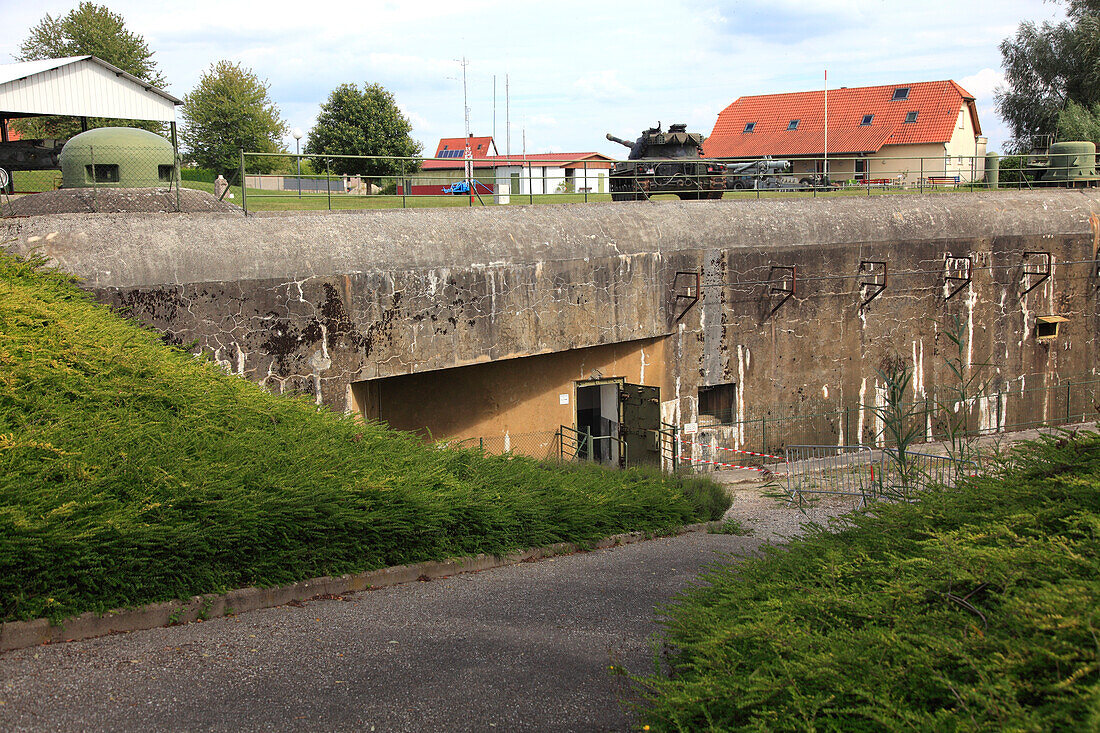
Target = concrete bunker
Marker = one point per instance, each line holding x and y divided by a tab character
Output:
588	403
118	157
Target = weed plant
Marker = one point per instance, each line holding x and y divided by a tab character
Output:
132	472
974	608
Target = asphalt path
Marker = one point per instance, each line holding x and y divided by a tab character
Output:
525	647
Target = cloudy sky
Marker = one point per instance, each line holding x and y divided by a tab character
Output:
576	69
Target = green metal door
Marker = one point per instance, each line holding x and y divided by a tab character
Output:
514	184
639	422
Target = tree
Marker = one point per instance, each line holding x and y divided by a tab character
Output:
87	29
1047	67
367	122
1078	122
230	110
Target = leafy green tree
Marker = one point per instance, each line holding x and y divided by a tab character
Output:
363	122
230	110
87	29
1078	122
1048	66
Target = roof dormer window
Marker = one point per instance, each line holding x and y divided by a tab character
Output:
867	119
900	94
793	124
749	127
911	117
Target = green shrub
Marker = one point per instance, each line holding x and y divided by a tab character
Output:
131	472
976	608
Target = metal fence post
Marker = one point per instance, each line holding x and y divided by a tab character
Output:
244	195
530	189
404	184
920	181
763	435
1069	394
91	154
176	174
585	181
328	184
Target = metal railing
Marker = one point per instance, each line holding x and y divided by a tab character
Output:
577	445
277	181
866	473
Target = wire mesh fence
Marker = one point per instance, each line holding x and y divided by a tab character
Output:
725	439
291	181
101	178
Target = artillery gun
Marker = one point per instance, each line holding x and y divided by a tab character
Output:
666	162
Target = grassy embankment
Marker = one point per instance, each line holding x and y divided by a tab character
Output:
977	608
131	472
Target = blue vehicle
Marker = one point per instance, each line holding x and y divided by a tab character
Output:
462	187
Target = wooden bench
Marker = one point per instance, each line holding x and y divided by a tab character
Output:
943	180
877	181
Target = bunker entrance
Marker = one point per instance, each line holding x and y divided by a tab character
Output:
622	419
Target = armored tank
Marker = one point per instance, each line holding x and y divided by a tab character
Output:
666	162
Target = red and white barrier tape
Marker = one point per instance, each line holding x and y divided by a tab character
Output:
726	465
733	450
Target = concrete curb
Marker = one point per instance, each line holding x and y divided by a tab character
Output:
22	634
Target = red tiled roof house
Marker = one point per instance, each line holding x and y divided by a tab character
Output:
896	132
518	175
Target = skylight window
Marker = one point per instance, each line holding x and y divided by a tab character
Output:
749	127
911	117
793	124
900	94
867	119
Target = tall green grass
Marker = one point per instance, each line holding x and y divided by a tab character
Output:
131	472
976	608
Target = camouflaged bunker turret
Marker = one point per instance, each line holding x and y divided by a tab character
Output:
666	162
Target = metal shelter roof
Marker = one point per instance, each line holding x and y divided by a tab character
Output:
80	86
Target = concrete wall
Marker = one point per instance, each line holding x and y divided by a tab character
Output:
316	302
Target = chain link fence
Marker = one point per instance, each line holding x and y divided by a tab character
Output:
299	182
103	179
725	439
302	182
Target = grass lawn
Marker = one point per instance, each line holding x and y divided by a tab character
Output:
132	472
977	608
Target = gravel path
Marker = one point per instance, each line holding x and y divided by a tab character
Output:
525	647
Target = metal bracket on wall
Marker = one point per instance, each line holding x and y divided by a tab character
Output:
788	274
876	270
686	286
1042	272
957	275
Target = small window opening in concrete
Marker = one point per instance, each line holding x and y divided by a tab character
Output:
103	173
1047	327
164	172
716	403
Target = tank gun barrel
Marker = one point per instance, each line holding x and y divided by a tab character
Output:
619	140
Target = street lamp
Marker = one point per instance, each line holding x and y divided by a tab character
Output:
297	134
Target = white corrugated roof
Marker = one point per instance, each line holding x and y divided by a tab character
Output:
81	86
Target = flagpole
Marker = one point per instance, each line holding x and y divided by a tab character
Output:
826	156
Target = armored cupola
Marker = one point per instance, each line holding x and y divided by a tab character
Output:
117	157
